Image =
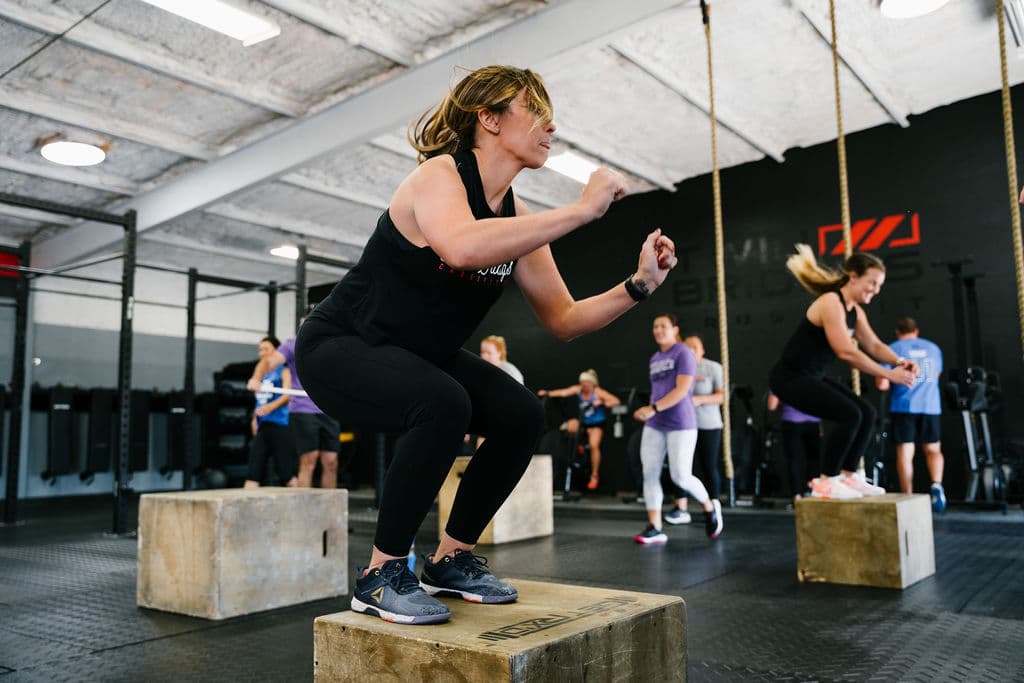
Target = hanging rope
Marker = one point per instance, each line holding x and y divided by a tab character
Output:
1011	172
723	317
844	186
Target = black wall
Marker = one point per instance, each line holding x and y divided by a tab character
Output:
948	167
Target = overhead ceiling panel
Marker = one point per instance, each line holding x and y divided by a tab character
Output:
109	89
54	191
661	137
364	170
302	212
289	73
15	230
18	42
199	230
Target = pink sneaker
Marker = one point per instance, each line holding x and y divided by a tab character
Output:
832	488
859	483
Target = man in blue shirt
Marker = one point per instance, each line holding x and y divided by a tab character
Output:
915	411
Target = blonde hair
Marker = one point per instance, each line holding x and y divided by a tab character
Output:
818	279
499	343
451	127
589	376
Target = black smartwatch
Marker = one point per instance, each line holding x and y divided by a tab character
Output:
637	290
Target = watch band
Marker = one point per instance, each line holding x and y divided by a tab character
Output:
637	292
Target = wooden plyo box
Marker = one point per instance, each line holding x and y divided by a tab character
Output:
221	553
883	541
529	512
552	633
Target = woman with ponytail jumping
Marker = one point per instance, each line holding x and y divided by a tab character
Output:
384	350
826	331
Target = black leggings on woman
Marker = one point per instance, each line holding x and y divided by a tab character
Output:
854	418
388	389
801	442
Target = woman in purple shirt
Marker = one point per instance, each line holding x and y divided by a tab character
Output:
670	424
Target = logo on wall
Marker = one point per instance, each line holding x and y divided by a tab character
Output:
870	234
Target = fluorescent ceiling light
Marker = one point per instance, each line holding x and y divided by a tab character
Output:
223	18
572	165
286	251
72	153
906	9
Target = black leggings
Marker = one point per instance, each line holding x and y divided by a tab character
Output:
274	440
854	418
801	442
388	389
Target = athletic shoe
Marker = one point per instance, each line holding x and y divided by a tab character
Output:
651	536
861	484
592	484
393	594
678	516
465	575
714	523
938	497
831	488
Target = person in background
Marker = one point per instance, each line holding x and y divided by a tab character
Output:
916	411
708	396
314	434
592	401
494	350
801	445
270	423
670	427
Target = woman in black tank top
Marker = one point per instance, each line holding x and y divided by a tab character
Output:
384	351
827	331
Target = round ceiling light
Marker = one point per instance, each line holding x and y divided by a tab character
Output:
72	153
907	9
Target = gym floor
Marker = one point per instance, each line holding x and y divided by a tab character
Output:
67	601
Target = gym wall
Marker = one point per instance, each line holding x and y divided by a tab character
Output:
946	173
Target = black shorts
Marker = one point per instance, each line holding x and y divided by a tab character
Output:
314	432
916	428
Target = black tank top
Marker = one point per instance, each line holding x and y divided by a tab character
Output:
808	352
406	295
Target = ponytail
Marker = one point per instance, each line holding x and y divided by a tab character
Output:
818	279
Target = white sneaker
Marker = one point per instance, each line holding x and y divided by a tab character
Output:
832	488
860	483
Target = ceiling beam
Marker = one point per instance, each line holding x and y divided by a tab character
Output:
359	119
93	178
299	180
857	63
153	56
357	30
107	124
35	215
745	130
292	226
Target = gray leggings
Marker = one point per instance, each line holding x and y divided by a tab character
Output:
680	445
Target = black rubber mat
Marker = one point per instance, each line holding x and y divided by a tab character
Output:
67	602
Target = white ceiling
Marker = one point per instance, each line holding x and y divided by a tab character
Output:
227	151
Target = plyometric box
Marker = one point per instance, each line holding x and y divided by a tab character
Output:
221	553
553	632
883	541
529	512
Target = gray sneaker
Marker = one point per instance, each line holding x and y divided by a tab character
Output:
678	516
465	575
393	594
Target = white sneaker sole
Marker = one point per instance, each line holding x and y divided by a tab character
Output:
361	607
467	596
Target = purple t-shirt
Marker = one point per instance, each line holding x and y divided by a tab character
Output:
298	404
791	414
665	367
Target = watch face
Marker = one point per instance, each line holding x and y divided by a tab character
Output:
642	286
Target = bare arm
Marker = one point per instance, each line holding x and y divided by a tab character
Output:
263	366
440	217
715	398
832	316
773	403
608	398
561	393
566	318
669	400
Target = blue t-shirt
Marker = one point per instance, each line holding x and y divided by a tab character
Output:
271	379
665	366
923	398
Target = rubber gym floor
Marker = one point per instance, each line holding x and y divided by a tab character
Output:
68	613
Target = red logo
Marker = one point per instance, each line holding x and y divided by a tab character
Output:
871	234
